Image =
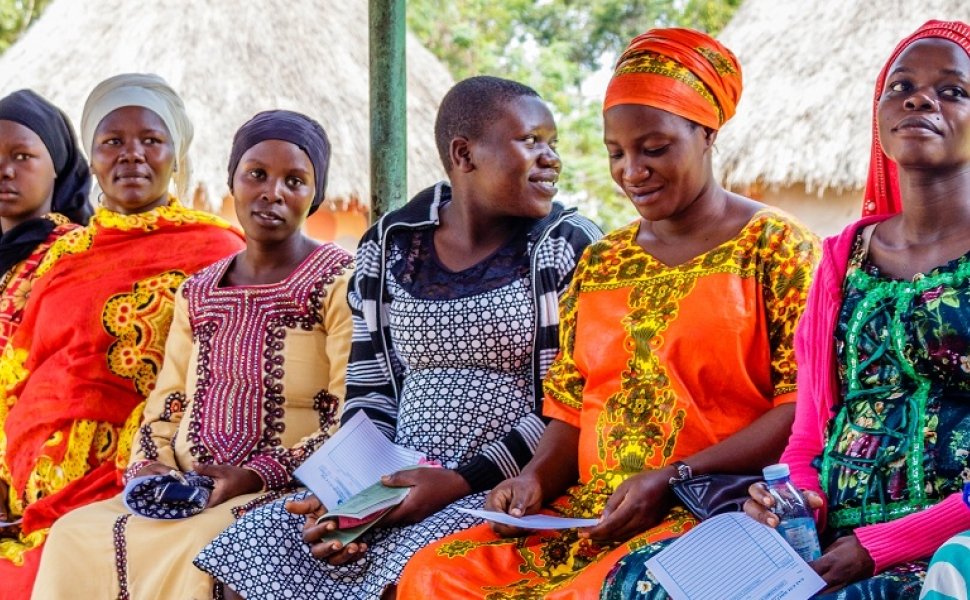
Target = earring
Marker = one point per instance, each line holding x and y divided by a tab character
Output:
100	198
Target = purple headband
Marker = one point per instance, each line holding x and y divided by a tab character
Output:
288	126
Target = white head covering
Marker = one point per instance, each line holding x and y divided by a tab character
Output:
149	91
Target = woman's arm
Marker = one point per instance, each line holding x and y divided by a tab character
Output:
643	500
152	450
924	532
551	471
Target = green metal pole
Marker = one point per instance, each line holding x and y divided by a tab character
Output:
388	111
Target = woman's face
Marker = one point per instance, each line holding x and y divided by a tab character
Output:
273	188
26	175
924	111
516	161
133	159
660	160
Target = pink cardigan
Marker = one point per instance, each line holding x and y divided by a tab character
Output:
913	537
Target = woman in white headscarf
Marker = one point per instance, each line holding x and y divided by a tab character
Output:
74	377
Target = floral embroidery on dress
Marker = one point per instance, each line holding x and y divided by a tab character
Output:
140	321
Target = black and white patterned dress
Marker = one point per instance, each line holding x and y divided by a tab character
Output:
466	342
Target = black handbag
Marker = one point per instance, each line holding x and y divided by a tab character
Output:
709	495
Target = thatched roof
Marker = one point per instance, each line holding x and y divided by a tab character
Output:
809	75
228	60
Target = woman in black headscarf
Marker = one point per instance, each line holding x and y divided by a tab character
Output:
44	185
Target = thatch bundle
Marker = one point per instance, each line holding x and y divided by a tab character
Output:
809	75
229	60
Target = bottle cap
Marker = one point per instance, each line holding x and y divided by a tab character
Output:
779	471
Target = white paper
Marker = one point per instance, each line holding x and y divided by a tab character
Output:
530	521
354	458
733	557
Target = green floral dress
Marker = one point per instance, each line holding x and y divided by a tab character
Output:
899	440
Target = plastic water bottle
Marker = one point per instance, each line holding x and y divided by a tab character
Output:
795	521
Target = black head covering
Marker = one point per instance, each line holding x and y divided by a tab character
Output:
288	126
73	181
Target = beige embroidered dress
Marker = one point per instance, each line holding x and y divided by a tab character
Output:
253	377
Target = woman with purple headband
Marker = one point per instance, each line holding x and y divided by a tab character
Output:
252	383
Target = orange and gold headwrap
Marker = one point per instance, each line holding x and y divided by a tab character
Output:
682	71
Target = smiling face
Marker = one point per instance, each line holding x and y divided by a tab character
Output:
924	111
661	161
515	162
273	188
133	158
26	175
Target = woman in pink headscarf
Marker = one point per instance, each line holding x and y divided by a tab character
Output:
882	421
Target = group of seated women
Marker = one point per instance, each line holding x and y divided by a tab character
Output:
538	367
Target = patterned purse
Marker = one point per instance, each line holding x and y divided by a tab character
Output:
709	495
174	495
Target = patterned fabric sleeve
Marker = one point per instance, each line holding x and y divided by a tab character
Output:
275	466
556	260
370	386
166	404
791	254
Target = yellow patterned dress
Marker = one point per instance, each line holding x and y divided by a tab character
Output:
657	363
74	377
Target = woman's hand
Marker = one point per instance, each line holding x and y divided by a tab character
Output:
155	468
638	504
519	496
842	563
845	561
231	482
314	533
758	507
432	489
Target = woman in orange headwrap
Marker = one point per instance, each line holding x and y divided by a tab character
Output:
879	442
676	345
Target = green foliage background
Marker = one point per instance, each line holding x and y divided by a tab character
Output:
551	45
15	17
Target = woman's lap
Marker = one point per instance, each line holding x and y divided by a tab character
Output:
631	579
263	555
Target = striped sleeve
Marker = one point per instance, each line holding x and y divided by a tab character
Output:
370	382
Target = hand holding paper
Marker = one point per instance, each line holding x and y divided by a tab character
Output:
516	497
638	504
325	542
431	489
345	475
353	459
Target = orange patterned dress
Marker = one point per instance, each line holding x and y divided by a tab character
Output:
656	364
74	376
